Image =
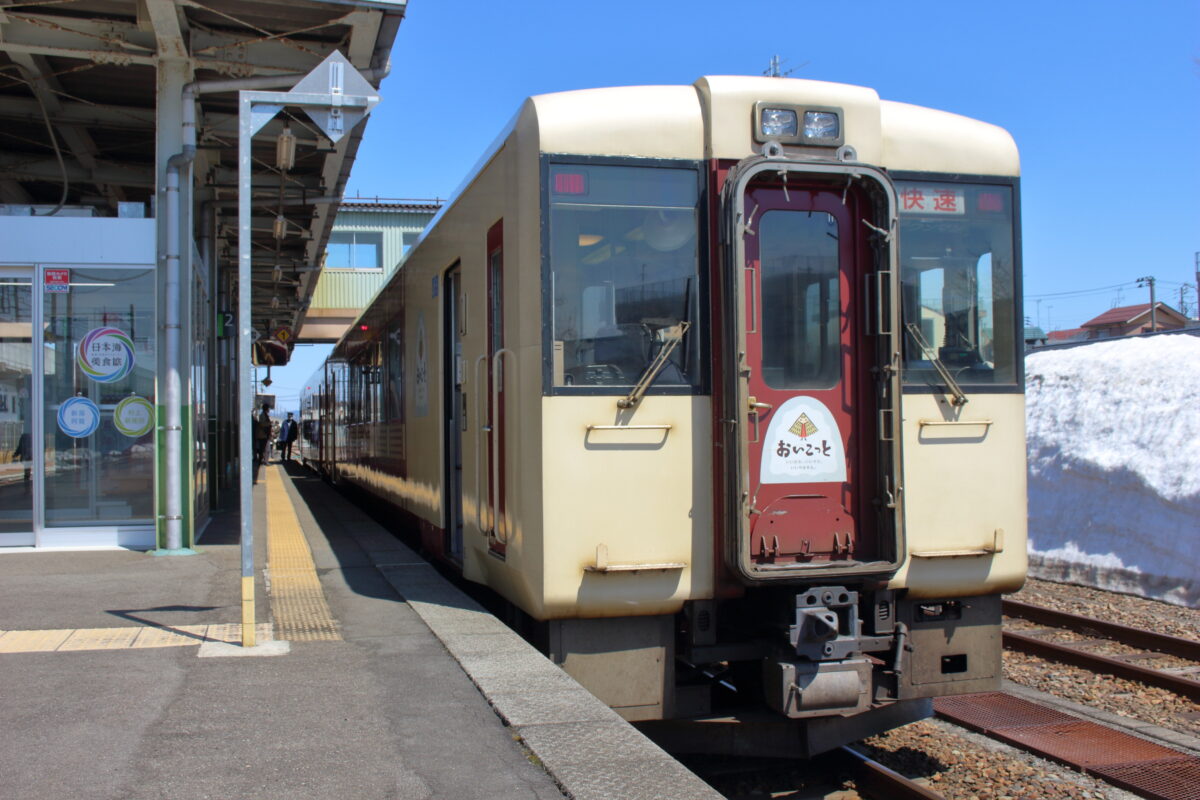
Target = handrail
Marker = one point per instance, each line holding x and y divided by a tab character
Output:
483	428
935	423
992	548
666	426
497	423
603	565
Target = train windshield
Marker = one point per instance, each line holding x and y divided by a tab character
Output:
624	273
958	282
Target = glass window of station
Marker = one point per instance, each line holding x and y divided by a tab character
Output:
958	283
354	250
624	275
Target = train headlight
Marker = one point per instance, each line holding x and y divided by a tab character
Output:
821	125
797	124
778	122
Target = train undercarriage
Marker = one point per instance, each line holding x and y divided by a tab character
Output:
837	664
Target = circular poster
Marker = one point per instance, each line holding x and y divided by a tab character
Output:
78	417
106	354
134	416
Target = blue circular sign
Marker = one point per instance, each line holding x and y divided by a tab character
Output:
78	417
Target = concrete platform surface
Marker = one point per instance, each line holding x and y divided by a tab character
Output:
415	692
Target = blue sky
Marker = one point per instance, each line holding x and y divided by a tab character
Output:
1103	99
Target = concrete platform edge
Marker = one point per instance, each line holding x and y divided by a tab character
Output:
588	750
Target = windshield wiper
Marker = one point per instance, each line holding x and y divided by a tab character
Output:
670	336
959	397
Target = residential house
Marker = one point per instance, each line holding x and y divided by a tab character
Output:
1132	320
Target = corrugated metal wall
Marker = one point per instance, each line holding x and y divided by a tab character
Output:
353	288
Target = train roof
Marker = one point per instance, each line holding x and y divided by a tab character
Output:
713	118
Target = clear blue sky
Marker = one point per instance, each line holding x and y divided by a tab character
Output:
1103	99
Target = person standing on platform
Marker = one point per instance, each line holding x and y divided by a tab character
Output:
287	434
262	435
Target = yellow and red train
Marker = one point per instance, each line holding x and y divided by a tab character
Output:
718	385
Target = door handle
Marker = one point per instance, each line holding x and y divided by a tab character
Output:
757	409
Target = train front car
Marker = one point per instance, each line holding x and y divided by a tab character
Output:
833	342
869	433
719	386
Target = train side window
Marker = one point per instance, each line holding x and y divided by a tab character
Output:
624	270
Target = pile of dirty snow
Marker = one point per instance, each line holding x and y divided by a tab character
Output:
1114	466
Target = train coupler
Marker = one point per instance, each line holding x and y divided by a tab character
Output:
800	689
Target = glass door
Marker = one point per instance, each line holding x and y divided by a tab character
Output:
98	403
16	406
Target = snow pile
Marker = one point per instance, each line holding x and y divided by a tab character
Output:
1114	466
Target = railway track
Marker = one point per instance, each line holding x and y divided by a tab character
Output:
844	774
1145	768
874	780
1130	666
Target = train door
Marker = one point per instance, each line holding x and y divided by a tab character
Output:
330	421
495	427
456	410
813	389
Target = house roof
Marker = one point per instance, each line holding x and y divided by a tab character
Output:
388	204
1123	315
1065	335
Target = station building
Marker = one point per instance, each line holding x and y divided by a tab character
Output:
370	237
119	232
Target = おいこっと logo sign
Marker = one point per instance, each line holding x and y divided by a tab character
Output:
78	417
803	445
134	416
106	355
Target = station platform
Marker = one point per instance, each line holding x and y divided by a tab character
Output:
122	675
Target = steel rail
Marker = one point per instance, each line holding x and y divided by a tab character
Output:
1135	637
1097	663
877	780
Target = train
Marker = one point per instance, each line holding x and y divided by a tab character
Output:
720	388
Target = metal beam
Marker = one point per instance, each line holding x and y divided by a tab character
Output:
70	112
126	43
13	192
364	32
24	167
99	41
77	138
168	34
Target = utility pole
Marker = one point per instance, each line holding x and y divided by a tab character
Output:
1198	285
1149	279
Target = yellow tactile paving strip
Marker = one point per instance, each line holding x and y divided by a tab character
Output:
124	638
298	604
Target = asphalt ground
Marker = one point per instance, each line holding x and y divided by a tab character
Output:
413	691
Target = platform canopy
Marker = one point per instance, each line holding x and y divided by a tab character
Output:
91	70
